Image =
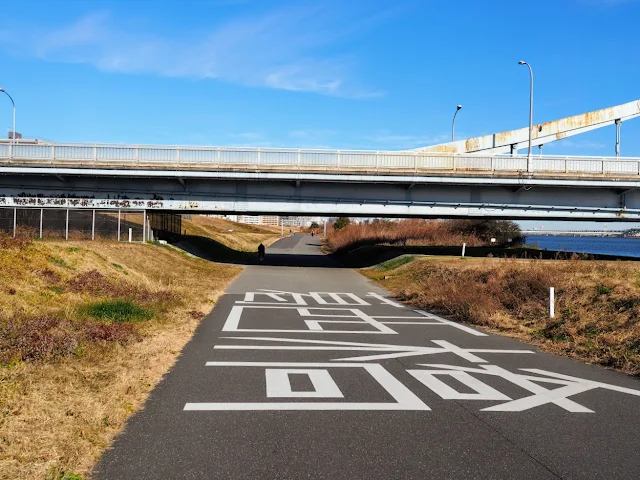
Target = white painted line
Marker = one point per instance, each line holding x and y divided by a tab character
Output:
279	384
385	300
313	324
405	399
459	326
481	389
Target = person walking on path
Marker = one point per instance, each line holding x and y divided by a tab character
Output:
261	252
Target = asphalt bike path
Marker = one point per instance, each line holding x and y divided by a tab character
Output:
315	372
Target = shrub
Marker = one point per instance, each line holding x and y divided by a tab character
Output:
340	223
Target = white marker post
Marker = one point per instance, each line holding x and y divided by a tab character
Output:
130	235
552	302
464	248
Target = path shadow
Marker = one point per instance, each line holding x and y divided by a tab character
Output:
362	257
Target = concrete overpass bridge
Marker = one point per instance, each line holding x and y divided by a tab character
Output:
435	182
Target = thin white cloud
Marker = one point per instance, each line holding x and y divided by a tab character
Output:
288	49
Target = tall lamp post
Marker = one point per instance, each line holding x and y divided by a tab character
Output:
13	134
529	159
453	124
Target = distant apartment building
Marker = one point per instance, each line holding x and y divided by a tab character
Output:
272	220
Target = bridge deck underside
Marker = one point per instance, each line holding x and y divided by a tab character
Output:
512	199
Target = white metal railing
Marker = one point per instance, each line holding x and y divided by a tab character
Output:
305	159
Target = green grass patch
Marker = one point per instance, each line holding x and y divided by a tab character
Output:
120	268
120	311
59	262
604	290
73	249
57	290
395	262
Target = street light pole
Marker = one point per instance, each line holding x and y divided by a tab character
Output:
13	134
453	124
529	158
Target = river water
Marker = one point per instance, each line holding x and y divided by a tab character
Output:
628	247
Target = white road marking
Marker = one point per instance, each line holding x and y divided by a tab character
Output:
385	300
541	395
459	326
279	384
481	389
389	351
404	398
337	297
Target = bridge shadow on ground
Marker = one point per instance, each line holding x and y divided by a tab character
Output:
364	256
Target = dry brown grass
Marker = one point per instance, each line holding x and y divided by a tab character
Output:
58	412
406	232
242	237
597	303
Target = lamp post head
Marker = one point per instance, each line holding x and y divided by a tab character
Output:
522	62
458	107
1	89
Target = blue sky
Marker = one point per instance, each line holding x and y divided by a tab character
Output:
368	74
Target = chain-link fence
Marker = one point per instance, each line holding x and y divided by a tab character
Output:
83	224
73	224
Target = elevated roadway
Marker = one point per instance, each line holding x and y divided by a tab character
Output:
312	182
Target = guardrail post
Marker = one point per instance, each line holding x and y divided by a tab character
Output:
178	154
41	215
603	166
566	165
144	223
218	156
66	227
119	224
338	164
53	152
15	220
299	159
137	154
259	151
93	226
491	165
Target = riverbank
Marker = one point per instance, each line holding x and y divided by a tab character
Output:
597	302
87	329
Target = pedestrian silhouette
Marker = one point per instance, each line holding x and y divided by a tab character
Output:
261	252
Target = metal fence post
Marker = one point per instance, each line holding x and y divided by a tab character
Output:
93	225
41	215
66	228
95	153
15	220
144	226
298	159
118	224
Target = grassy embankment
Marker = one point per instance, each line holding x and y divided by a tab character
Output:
86	331
224	241
237	236
597	302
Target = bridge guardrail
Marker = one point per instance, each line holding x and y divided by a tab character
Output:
300	159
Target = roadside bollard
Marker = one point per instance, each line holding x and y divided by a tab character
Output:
464	248
552	302
130	235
